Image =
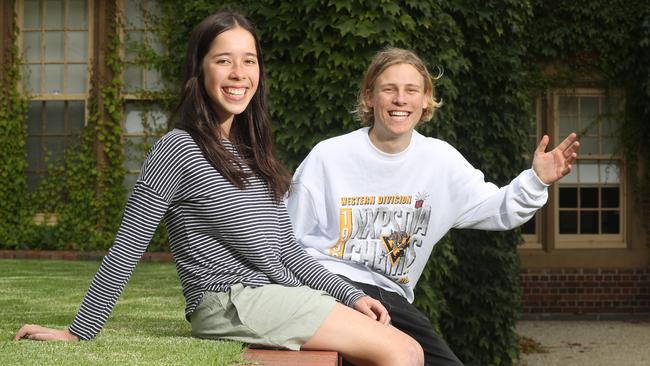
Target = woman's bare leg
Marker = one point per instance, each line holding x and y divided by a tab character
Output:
364	341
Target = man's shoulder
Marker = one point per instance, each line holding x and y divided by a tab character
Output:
340	144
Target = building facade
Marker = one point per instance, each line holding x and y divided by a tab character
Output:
587	252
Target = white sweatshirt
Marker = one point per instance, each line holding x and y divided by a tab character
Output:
375	217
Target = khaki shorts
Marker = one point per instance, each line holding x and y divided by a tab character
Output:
271	315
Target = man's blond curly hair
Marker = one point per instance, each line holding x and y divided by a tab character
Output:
383	60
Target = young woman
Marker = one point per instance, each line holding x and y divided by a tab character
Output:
218	185
370	205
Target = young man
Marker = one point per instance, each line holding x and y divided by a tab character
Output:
370	205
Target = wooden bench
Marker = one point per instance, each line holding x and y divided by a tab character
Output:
272	357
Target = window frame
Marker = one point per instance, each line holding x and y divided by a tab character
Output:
588	241
64	96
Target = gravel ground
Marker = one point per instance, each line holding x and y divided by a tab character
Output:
594	343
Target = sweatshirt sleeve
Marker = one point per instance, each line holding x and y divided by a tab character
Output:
485	206
144	210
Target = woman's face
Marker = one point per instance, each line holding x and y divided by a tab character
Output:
231	72
397	100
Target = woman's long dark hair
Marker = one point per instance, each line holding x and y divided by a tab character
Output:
251	129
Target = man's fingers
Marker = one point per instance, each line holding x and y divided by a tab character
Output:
541	148
568	142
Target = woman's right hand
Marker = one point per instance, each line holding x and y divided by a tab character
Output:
373	309
38	333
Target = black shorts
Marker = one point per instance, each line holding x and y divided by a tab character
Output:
407	318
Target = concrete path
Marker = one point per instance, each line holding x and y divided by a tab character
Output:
594	343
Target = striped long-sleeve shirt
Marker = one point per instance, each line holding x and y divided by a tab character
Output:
219	235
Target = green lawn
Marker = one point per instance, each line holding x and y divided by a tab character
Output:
147	326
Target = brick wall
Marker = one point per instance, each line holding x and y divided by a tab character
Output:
573	291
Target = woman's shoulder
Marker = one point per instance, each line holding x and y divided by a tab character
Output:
175	139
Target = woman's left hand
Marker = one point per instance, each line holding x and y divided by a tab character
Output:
555	164
373	309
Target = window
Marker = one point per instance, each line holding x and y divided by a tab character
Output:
55	53
140	40
586	209
589	201
144	122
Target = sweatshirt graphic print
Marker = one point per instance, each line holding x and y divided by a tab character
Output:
382	232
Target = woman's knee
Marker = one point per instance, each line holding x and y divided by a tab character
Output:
407	352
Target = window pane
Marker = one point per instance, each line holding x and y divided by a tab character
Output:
610	222
134	153
588	171
589	112
77	46
607	145
133	118
157	121
609	173
609	197
34	157
134	43
568	197
32	15
588	145
77	78
588	222
568	124
53	79
32	181
159	49
568	222
54	46
54	117
589	197
54	14
76	117
77	14
33	75
32	46
154	80
568	105
572	177
53	148
133	12
34	118
609	126
133	77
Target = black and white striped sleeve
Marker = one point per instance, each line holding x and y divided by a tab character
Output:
144	210
312	273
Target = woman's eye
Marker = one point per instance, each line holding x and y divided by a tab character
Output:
222	61
251	61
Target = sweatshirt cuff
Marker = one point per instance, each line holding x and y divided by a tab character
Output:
533	183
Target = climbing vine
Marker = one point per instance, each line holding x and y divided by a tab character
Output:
14	211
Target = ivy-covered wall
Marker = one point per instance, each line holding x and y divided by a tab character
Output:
493	54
